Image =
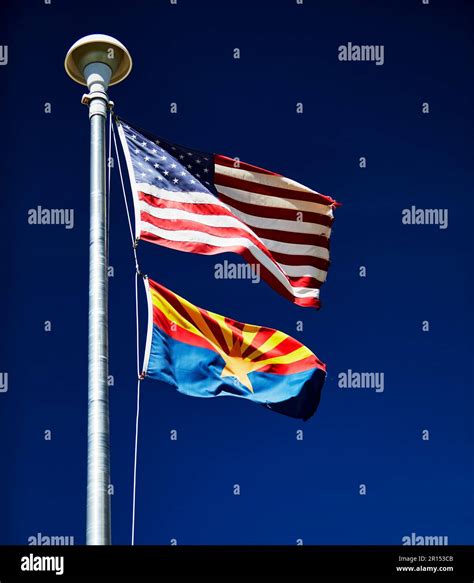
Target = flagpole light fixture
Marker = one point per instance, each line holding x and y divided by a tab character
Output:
98	48
98	61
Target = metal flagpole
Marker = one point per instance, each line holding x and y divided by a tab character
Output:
98	61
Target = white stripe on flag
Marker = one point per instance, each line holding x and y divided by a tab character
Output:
265	179
280	224
250	220
182	196
252	198
296	249
219	221
304	271
224	221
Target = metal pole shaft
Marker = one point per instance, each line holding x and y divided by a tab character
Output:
98	455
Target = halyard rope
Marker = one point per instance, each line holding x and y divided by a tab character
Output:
137	329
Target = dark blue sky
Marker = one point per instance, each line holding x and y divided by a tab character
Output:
290	489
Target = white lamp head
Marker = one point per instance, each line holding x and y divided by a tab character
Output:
98	48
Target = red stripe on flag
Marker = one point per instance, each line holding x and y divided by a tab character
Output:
286	259
291	237
190	225
206	249
231	163
275	191
294	367
276	213
223	232
196	225
191	207
217	210
305	281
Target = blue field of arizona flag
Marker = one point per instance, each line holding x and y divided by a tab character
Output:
203	354
207	203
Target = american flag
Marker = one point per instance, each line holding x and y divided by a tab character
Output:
208	203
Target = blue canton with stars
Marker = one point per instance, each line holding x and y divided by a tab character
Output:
169	166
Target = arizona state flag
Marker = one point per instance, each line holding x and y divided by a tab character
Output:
203	354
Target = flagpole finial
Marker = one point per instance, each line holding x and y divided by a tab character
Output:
98	48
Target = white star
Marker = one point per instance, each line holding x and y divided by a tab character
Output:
190	153
181	157
193	182
173	165
143	143
189	166
206	170
198	175
166	172
156	165
183	173
157	142
136	151
133	136
154	151
198	161
146	158
162	157
160	177
175	180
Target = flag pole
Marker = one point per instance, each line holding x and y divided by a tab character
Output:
98	61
